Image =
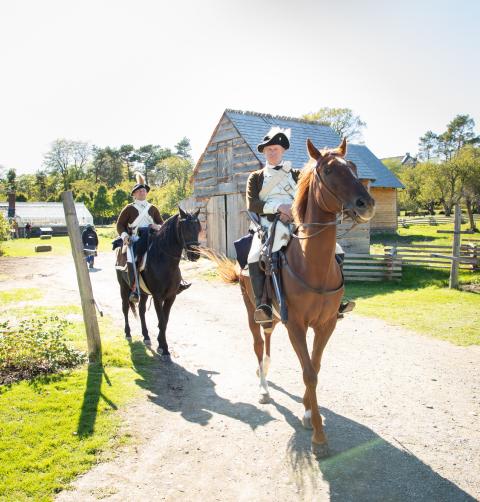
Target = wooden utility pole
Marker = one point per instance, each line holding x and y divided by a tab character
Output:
456	248
83	278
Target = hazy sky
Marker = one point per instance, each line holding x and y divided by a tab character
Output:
139	72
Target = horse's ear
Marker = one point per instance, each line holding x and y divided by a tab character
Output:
313	151
342	148
196	213
182	213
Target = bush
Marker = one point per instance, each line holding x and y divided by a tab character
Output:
35	346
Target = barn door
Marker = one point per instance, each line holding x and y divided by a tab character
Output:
227	221
216	221
237	220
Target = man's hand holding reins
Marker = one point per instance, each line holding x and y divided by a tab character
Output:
285	213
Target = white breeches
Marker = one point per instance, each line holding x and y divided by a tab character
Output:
133	238
282	236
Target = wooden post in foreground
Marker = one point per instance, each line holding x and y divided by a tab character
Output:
83	278
453	283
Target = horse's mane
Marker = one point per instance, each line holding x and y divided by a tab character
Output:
303	186
166	238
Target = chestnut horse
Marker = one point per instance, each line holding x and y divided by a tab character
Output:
311	277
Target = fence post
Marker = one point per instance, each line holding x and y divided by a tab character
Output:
453	283
83	279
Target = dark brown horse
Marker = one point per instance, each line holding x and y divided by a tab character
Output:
311	277
162	273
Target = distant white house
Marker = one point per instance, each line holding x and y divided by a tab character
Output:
45	214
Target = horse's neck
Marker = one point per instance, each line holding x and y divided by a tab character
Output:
319	250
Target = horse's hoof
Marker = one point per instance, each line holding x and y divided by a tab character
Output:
307	422
320	450
264	398
147	342
128	338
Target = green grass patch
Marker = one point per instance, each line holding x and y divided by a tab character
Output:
20	295
55	427
60	245
423	303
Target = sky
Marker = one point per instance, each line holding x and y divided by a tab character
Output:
113	72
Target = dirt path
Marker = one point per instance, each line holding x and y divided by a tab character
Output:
402	412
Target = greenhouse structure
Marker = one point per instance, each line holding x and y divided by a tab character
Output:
45	214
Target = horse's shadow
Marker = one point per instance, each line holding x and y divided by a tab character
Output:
192	395
362	466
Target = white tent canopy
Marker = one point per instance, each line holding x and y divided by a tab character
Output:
42	214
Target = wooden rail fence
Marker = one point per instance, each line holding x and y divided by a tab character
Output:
422	255
372	267
432	220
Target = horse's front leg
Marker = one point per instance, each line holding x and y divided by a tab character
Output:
162	340
322	335
297	334
124	292
142	307
259	348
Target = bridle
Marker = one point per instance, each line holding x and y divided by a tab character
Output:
326	224
185	244
181	239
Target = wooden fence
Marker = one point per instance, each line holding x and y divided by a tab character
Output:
421	254
370	267
433	220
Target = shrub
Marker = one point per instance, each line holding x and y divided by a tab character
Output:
35	346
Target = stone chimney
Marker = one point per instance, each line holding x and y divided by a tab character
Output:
11	204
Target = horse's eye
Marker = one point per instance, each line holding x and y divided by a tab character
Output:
328	170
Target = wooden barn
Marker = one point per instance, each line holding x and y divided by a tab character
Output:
220	176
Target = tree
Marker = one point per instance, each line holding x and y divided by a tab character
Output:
183	148
101	204
119	200
148	156
341	120
41	185
468	160
11	182
127	154
107	166
427	145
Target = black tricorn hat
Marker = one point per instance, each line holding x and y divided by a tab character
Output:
276	136
140	183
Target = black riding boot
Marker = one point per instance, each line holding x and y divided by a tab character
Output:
263	312
183	285
133	297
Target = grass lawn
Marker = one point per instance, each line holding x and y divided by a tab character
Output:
56	427
60	245
423	303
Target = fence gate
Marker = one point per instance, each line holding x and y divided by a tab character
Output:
227	221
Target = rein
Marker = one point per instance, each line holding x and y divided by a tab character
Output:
320	291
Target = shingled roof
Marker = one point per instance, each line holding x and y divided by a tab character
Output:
383	176
253	126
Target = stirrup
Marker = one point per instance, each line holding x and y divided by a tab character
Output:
346	307
133	297
183	286
263	314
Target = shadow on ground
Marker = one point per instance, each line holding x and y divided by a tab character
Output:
192	395
362	466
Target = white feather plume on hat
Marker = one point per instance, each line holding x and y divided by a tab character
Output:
278	130
140	179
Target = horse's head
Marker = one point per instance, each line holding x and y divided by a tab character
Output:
335	185
188	228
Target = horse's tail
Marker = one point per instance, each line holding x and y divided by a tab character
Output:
227	269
